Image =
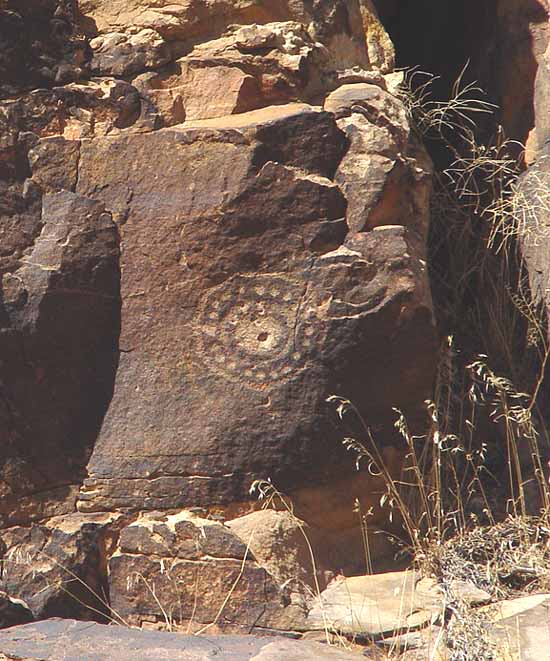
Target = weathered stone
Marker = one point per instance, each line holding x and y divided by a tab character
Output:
521	627
54	164
118	54
181	570
57	567
377	605
86	641
428	643
340	25
199	93
59	318
74	111
13	612
272	255
264	295
40	45
523	36
385	177
21	211
181	535
467	592
542	95
281	544
534	208
233	74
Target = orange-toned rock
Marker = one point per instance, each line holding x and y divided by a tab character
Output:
218	224
345	27
189	567
243	308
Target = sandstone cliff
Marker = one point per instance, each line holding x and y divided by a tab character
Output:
214	215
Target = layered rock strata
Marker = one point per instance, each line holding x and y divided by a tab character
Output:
214	217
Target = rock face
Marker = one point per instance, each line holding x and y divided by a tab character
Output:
521	627
57	567
214	216
200	572
243	308
87	641
13	612
522	38
534	190
59	319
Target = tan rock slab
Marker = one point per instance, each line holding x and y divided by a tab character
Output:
522	628
279	542
377	605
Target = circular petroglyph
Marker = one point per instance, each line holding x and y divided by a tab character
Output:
248	329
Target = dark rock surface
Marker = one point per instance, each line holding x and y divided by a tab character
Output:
40	44
13	612
59	321
243	309
69	640
184	284
57	567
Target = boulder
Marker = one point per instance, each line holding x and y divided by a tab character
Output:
53	639
383	160
119	54
57	567
377	605
183	571
13	612
520	627
281	544
213	222
242	273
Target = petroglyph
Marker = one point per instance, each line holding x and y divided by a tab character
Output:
247	329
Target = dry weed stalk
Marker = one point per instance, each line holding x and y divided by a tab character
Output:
447	497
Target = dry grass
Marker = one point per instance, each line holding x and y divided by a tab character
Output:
474	497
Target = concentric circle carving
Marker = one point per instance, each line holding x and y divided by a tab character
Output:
248	329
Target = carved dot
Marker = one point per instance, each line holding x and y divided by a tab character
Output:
247	330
